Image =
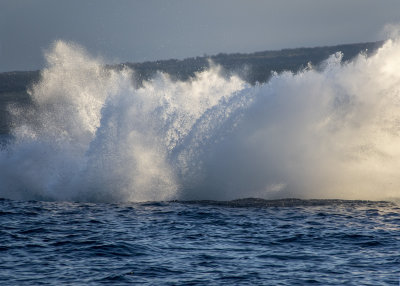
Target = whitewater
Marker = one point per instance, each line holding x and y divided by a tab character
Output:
108	181
93	135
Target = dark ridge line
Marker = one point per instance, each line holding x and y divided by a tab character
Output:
375	44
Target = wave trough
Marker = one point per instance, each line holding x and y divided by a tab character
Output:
92	135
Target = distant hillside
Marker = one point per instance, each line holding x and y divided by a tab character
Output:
252	67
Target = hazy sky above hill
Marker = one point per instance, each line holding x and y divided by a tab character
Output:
135	31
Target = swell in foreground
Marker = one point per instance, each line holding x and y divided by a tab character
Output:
92	135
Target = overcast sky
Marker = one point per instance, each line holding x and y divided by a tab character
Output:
135	31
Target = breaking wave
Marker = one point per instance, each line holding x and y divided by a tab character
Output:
92	135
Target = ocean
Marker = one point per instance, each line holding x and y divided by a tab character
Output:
286	242
103	181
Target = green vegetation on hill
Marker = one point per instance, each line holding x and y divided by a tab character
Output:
252	67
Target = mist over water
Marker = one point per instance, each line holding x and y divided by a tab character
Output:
92	135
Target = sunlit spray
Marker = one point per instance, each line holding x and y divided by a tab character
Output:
91	135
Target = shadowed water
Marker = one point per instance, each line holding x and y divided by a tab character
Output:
254	242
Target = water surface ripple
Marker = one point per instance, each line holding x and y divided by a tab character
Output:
200	243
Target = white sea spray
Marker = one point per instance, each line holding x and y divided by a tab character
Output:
91	135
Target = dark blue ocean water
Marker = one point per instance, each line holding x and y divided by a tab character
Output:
252	242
